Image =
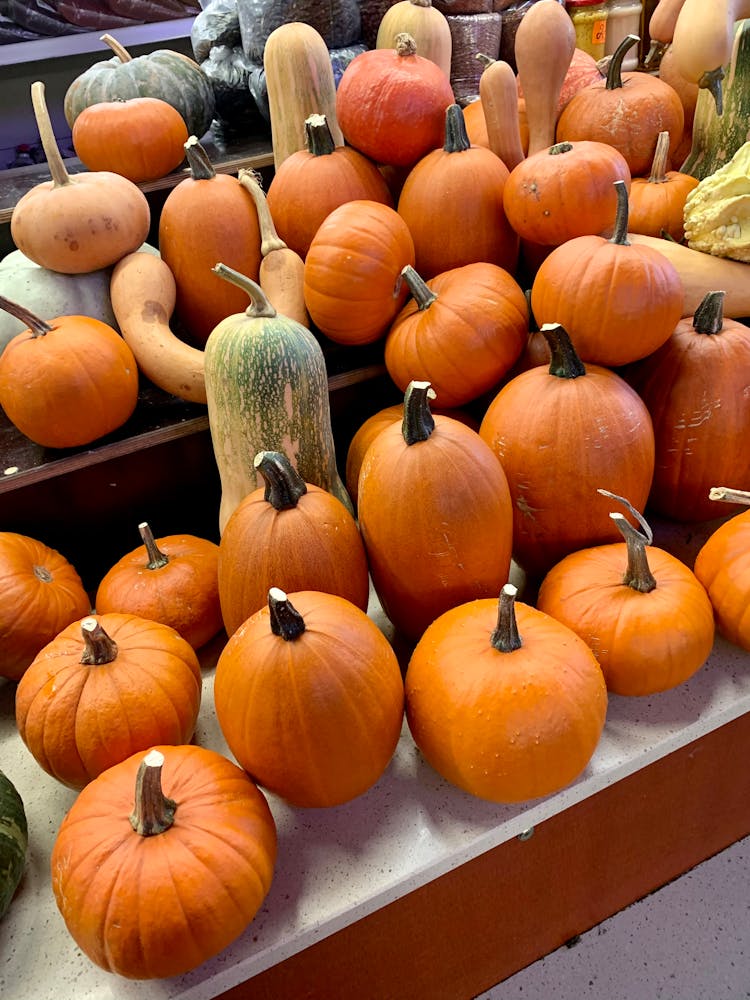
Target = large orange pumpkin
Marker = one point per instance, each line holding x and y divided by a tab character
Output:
309	696
42	593
162	861
435	514
292	533
352	277
172	580
504	701
103	689
452	202
643	612
559	431
461	331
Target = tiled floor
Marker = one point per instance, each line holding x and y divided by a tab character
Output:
688	941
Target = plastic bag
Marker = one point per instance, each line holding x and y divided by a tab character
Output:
217	24
337	21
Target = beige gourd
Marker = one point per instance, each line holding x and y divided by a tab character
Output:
427	26
299	83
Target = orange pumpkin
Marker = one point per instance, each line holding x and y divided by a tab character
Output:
390	103
643	612
142	138
695	389
618	301
352	278
435	514
104	688
657	202
218	207
187	833
537	194
172	580
559	431
504	701
312	182
624	110
309	696
452	202
289	532
42	593
722	566
461	331
66	382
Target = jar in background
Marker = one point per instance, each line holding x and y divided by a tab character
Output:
589	19
623	19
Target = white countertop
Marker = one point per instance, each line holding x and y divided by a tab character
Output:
337	865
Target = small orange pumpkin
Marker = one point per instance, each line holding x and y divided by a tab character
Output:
309	696
657	202
185	831
142	138
42	593
104	688
66	382
504	701
172	580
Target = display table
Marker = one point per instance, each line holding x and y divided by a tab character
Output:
417	890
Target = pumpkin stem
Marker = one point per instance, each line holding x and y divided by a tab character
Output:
505	637
421	292
156	558
98	647
711	81
60	176
418	422
421	3
564	360
38	327
484	59
119	50
259	304
620	233
456	136
638	575
201	168
708	317
560	147
153	812
318	135
727	495
284	484
614	69
405	44
658	173
269	238
286	621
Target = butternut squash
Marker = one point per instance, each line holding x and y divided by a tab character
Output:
299	82
545	42
281	268
498	92
702	272
427	26
661	27
703	39
143	295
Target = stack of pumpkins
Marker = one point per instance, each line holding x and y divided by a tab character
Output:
614	381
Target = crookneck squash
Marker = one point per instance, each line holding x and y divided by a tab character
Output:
267	390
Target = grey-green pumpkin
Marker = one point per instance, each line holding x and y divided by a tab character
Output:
14	841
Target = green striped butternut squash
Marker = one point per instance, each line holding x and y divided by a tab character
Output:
267	390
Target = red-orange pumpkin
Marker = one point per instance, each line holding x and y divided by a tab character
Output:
42	593
103	689
504	701
183	831
309	696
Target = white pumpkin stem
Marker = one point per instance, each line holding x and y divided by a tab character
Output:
269	238
119	50
153	812
727	495
60	175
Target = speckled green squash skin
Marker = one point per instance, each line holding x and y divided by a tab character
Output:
14	841
267	390
168	75
716	138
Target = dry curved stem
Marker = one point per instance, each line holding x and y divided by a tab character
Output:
638	575
418	422
31	321
259	304
284	486
119	50
269	238
60	176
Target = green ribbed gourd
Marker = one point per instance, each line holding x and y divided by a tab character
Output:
267	390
